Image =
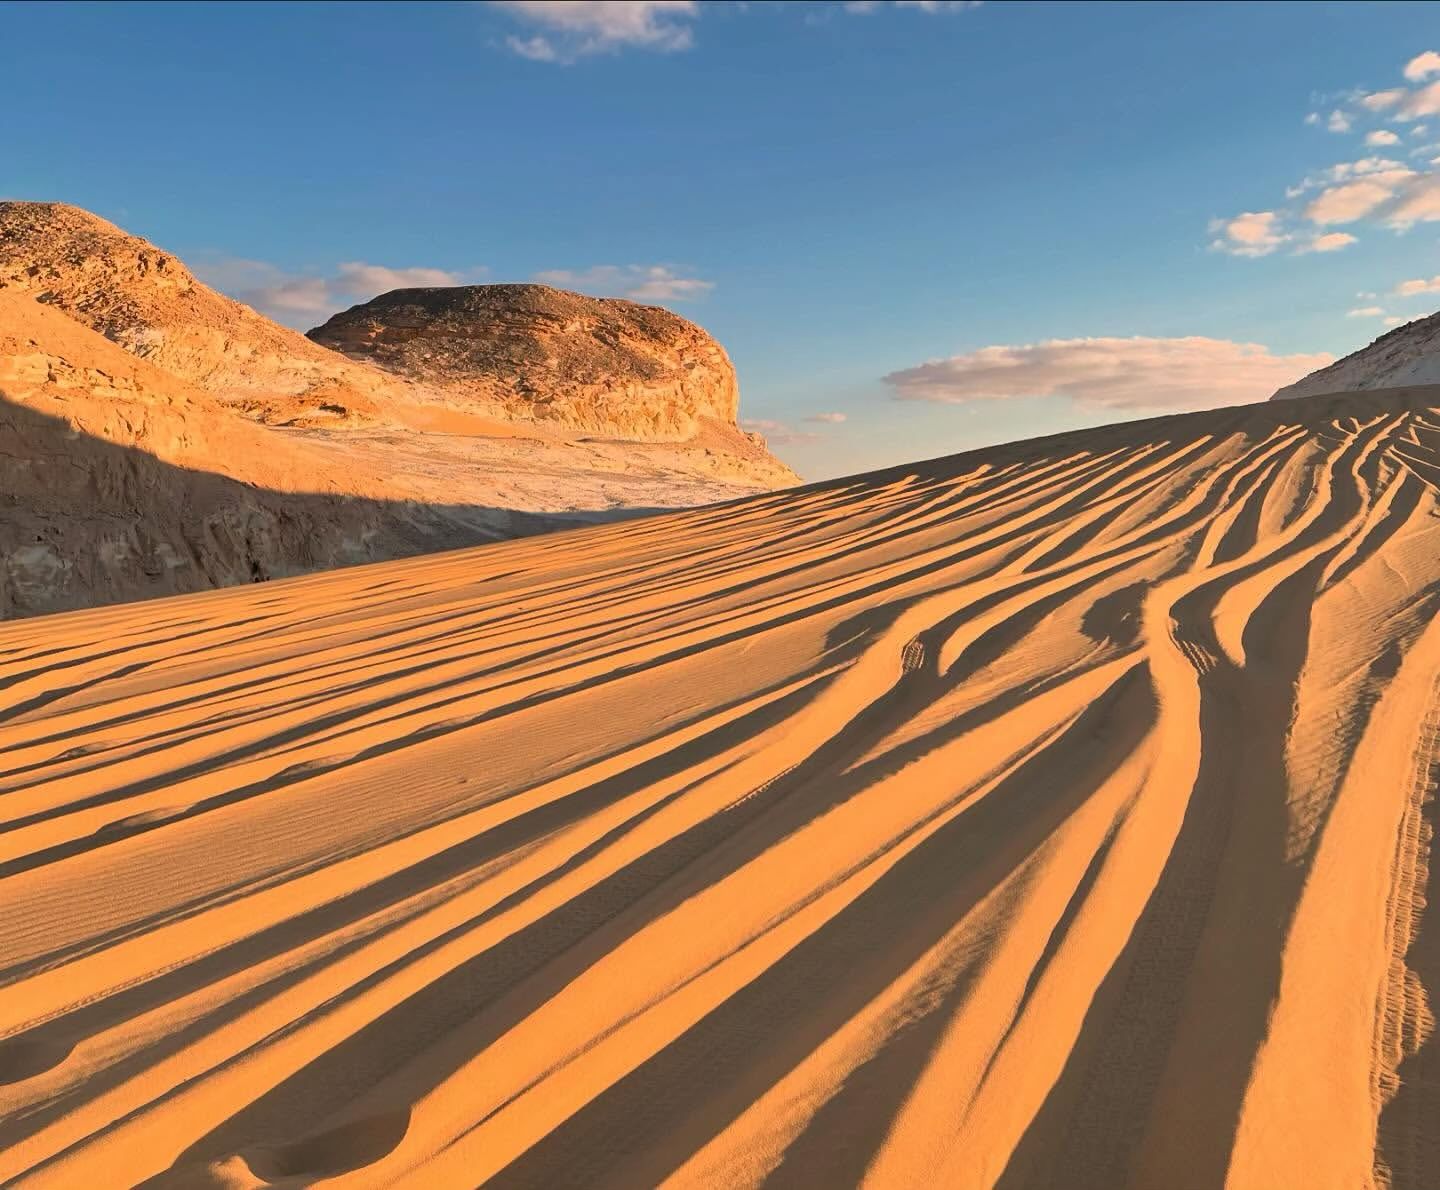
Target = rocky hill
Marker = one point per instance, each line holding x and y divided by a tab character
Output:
1407	356
601	365
145	300
159	437
124	481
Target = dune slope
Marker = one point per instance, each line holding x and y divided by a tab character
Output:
1054	815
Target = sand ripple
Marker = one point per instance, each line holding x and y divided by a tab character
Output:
1054	815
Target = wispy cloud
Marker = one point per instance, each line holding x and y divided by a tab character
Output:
1351	201
939	5
1331	241
1336	121
829	419
864	7
564	31
777	433
1107	373
639	282
1418	201
1418	286
1374	190
1379	101
302	300
1365	312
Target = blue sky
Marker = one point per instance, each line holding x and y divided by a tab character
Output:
947	195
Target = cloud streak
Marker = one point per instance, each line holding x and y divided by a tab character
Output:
1418	286
303	300
640	283
564	31
1109	373
777	433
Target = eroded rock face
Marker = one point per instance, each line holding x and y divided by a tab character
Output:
601	365
145	300
122	481
1408	355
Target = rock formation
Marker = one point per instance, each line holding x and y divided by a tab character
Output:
147	301
122	481
601	365
1409	355
158	437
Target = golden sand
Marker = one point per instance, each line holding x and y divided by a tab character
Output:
1053	815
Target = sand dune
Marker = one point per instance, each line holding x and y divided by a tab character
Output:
1054	815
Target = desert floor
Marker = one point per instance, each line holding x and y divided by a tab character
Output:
1053	815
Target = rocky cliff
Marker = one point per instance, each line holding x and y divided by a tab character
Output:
601	365
1408	355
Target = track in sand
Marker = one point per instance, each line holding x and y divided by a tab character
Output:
1054	815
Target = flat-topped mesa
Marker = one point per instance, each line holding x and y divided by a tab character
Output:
1405	357
601	365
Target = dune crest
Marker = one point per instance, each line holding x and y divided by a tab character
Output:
1058	814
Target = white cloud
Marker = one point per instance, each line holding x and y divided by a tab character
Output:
537	48
357	278
1422	65
1394	320
1424	102
1108	373
641	283
1376	190
1379	101
1331	241
866	7
830	419
1347	170
304	300
571	29
1417	202
1419	285
297	295
1350	201
1365	312
1251	233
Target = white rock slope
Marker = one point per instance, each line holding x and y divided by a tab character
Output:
1408	355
